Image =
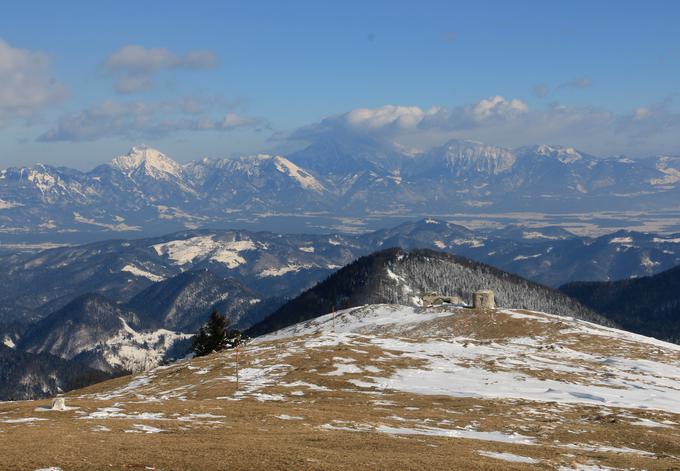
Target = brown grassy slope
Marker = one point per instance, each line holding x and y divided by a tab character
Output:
292	409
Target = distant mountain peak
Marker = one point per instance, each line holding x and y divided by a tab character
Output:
151	160
565	155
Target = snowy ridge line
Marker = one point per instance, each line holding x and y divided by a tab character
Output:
347	319
523	368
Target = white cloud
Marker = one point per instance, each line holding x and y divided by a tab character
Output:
26	83
398	117
139	119
498	107
135	67
390	120
511	122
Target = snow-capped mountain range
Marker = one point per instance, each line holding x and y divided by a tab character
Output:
145	190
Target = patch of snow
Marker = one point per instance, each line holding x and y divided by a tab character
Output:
303	384
304	179
538	235
204	418
142	273
670	175
382	402
141	428
133	385
512	458
202	248
473	243
342	369
607	449
651	423
288	417
406	289
138	351
526	257
459	433
439	244
621	240
264	397
117	413
658	240
280	271
647	262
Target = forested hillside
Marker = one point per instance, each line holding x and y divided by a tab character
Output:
397	276
648	305
30	376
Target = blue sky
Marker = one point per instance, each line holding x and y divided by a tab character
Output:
80	82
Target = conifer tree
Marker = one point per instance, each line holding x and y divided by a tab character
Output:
215	335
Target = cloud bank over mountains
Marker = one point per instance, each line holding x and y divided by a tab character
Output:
511	122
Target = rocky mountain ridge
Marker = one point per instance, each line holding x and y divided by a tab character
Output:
146	191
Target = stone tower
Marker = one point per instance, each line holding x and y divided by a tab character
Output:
483	299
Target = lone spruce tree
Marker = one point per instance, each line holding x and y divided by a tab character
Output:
215	335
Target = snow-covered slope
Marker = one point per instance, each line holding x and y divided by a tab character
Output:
551	361
96	332
384	387
129	350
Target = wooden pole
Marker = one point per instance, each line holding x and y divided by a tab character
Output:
238	352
